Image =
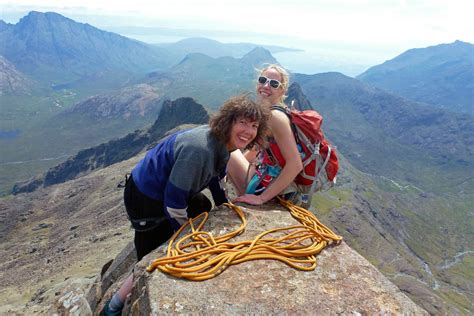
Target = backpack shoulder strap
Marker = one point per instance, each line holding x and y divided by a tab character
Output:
281	109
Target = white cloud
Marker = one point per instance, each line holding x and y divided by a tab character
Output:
382	21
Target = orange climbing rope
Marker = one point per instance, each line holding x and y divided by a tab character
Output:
199	256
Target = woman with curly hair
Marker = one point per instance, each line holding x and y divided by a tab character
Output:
164	189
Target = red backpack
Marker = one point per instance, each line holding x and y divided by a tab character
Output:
320	164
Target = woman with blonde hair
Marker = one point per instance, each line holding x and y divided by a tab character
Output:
272	85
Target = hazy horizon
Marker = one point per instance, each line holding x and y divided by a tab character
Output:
341	35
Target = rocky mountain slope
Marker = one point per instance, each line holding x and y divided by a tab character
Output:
59	235
13	81
409	235
64	234
127	103
385	221
387	135
440	75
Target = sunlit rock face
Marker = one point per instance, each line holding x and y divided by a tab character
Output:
343	281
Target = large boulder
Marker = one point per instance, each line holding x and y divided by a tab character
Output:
343	282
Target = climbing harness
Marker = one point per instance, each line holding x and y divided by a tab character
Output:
199	256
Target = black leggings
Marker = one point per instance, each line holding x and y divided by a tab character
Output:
141	209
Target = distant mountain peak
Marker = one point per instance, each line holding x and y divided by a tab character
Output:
4	25
56	49
196	57
439	75
259	56
36	16
197	40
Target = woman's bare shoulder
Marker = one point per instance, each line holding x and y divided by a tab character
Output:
279	117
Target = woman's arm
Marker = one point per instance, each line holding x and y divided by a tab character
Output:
281	129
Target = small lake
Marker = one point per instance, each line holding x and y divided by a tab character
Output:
9	134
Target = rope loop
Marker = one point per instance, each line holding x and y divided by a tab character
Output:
199	255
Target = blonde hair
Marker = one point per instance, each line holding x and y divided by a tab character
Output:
285	77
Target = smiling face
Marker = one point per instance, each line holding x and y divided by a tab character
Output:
265	92
243	133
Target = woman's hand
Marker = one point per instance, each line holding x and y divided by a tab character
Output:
250	199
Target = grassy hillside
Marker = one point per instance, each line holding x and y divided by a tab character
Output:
422	242
49	137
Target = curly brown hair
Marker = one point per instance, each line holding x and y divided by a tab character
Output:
235	108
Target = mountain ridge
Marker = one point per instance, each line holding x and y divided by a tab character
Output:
215	48
363	117
49	45
441	75
210	80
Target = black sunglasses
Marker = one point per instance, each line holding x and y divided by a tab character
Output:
273	82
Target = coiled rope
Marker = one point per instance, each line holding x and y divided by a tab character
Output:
199	256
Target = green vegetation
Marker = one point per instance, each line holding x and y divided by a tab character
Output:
324	202
55	140
412	237
460	271
457	299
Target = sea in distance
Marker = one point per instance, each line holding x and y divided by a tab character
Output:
305	56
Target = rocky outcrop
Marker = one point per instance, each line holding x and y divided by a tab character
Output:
13	81
343	282
82	296
297	98
56	239
127	103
